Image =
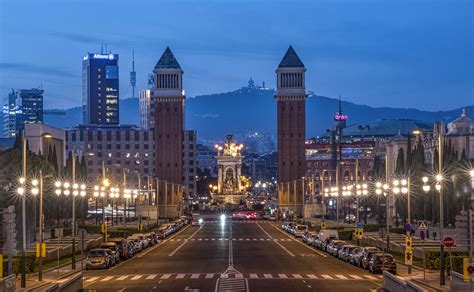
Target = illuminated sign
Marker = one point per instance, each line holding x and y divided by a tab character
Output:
104	56
340	117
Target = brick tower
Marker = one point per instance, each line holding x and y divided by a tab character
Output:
291	97
169	126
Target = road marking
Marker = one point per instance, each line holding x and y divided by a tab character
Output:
370	277
195	276
355	277
166	276
92	279
297	276
341	277
267	276
262	238
106	279
209	276
178	239
180	276
240	276
213	239
275	240
311	276
121	278
253	276
136	277
182	244
282	276
300	242
327	277
151	277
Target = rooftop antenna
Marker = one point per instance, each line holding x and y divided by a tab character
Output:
133	75
340	105
102	48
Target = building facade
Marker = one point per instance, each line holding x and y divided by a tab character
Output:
45	139
147	109
189	163
31	106
100	89
169	99
291	109
11	115
114	149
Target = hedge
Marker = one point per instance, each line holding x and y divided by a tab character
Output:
66	232
345	234
372	227
432	258
16	267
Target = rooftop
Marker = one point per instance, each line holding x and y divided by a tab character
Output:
167	61
291	60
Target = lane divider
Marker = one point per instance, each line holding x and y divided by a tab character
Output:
186	241
275	240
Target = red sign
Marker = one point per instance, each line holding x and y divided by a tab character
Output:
340	117
448	241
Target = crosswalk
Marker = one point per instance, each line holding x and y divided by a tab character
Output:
227	239
237	221
251	276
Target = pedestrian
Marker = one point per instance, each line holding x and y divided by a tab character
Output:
434	235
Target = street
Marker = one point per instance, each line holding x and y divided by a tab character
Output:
232	256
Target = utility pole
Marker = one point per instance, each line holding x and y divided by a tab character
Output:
441	215
387	201
23	220
73	197
41	222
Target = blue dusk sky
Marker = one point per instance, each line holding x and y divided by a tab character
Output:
397	53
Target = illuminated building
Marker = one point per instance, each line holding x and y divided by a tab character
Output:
100	89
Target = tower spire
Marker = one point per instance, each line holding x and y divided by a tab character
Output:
133	74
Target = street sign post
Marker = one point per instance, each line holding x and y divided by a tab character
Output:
468	269
82	235
408	251
448	241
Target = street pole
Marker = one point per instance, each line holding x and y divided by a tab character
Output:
387	202
409	213
338	190
73	197
23	218
157	199
356	182
124	188
41	221
441	215
103	202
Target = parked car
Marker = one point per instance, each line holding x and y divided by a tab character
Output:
291	228
121	247
380	262
98	258
114	257
272	218
114	249
285	225
342	250
328	234
299	230
359	254
367	257
347	254
309	237
333	247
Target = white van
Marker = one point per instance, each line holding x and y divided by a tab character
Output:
326	234
300	230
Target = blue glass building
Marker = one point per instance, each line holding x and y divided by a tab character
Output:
100	89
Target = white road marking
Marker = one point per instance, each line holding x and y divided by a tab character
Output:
355	277
209	276
297	276
240	276
106	279
136	277
282	276
327	277
267	276
166	276
370	277
92	279
195	276
341	277
253	276
151	277
182	244
311	276
275	240
121	278
180	276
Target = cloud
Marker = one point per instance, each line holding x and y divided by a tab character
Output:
88	39
207	116
32	68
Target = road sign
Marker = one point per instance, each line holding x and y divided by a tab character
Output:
407	227
408	242
104	227
360	233
323	225
448	241
408	257
41	250
360	225
468	269
422	234
422	226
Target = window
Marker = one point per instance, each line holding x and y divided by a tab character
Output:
109	135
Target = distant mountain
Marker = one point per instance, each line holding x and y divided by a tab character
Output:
253	109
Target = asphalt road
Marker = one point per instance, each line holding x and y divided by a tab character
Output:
232	256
